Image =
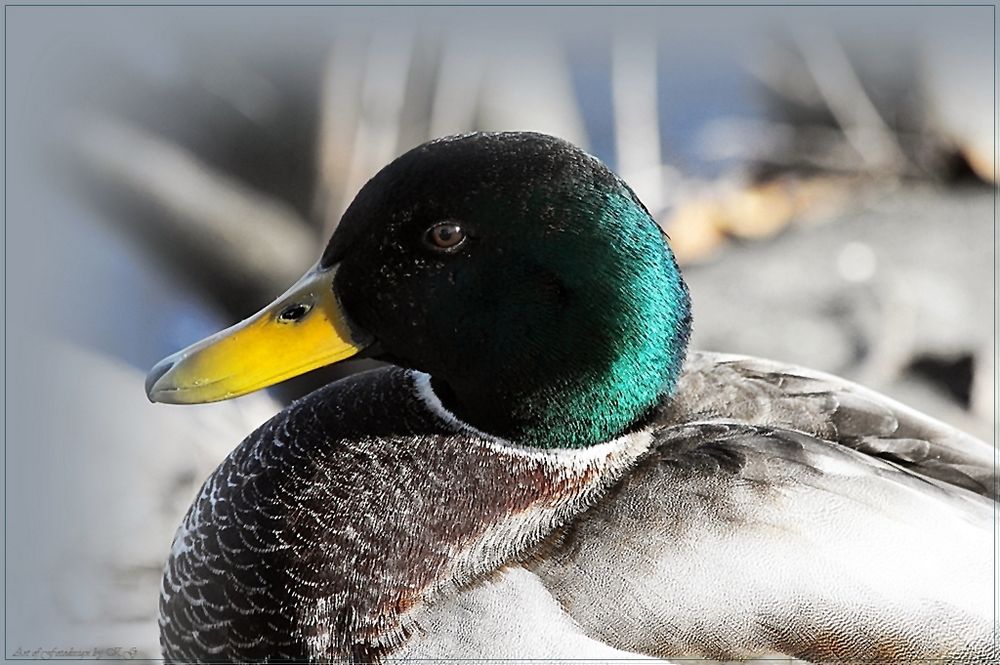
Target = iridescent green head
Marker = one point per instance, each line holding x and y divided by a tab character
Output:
523	276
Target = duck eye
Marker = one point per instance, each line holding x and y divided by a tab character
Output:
445	235
294	312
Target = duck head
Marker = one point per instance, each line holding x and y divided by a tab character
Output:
516	270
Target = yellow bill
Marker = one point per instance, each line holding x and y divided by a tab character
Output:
302	330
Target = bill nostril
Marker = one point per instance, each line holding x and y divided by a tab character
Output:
294	312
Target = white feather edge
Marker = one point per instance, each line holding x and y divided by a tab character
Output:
624	449
515	598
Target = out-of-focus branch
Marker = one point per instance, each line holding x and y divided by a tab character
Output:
634	87
340	111
248	238
411	88
374	124
847	100
773	143
459	85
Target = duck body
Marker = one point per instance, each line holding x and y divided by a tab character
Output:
748	517
546	472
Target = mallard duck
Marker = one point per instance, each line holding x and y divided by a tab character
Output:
544	470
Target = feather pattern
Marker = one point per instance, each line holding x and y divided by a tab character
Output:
763	509
763	392
321	534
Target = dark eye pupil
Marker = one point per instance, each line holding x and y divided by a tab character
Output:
294	312
446	235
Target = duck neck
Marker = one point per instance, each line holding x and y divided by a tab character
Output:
586	411
611	354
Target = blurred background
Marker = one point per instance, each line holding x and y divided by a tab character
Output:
826	176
